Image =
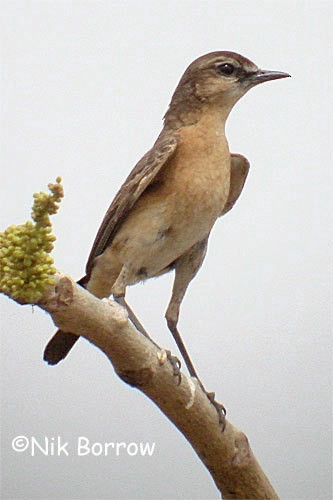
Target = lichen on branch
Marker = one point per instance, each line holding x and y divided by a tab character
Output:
26	266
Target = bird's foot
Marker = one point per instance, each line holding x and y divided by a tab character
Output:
221	411
176	364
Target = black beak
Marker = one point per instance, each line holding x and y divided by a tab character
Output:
261	76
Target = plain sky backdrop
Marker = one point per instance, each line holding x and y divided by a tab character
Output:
84	87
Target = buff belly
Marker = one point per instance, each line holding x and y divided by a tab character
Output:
161	227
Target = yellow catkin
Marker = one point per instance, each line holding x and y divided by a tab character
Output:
26	266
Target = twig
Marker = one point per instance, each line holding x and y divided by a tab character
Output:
138	362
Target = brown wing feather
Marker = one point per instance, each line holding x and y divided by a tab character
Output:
239	169
138	180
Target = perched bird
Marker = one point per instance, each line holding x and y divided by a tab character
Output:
162	215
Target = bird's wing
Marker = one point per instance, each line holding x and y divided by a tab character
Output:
239	169
138	180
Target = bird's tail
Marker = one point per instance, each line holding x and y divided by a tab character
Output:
61	342
59	346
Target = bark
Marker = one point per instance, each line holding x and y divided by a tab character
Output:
138	362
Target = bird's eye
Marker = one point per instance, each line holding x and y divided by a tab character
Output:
226	69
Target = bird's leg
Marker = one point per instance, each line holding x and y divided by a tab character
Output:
186	268
172	325
119	291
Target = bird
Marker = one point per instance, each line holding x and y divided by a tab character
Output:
161	218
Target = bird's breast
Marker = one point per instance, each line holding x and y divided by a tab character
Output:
198	177
178	209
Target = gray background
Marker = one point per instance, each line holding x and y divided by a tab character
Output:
84	88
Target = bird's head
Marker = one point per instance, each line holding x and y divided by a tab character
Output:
219	79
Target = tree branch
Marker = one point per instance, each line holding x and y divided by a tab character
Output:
227	455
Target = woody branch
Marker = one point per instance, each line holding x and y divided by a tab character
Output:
138	362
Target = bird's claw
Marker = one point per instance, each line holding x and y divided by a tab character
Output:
221	411
176	364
